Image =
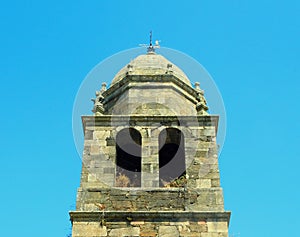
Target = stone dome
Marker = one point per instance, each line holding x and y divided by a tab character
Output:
151	64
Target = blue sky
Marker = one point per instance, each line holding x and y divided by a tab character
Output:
251	49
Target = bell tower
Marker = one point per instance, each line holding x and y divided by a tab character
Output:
150	159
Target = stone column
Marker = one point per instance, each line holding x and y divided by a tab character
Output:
150	166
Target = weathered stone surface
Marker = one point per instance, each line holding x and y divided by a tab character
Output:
116	224
88	229
217	226
168	231
148	234
214	235
137	223
130	231
203	183
95	149
215	182
198	228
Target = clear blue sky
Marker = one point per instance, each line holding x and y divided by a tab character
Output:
251	48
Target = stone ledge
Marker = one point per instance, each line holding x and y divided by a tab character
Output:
106	120
135	189
131	190
162	79
148	215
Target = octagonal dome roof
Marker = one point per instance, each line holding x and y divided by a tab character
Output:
151	64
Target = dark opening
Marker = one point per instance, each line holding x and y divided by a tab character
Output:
128	158
171	158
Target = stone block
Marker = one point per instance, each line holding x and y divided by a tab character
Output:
214	235
150	159
198	228
148	234
210	174
116	225
92	178
88	229
209	131
129	231
122	205
137	223
147	167
168	231
88	135
191	235
180	223
219	198
109	170
203	183
217	226
110	141
215	182
101	134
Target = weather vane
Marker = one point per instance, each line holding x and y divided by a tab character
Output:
151	48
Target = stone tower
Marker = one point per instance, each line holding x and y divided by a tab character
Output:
150	159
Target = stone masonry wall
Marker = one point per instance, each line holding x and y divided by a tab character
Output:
166	211
125	97
142	199
100	150
160	226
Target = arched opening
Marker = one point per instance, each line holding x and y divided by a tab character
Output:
171	158
128	158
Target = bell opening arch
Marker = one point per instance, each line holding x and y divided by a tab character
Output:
128	158
172	167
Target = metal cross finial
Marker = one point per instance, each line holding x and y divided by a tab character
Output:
151	48
150	38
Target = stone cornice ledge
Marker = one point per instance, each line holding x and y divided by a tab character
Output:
131	120
148	215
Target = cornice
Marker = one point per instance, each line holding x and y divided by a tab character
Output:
148	215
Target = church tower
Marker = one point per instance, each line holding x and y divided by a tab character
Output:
150	159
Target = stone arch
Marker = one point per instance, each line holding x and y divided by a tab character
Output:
128	158
171	157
